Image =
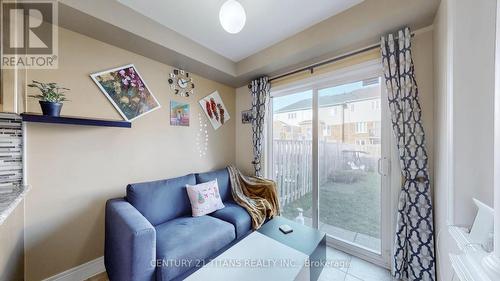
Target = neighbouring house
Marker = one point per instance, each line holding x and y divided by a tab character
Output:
352	118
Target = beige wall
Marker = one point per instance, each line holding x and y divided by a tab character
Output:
8	90
13	80
12	246
73	170
244	146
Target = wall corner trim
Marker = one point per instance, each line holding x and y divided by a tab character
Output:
81	272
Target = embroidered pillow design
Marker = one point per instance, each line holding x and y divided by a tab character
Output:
204	198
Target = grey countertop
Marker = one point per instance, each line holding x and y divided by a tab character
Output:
10	199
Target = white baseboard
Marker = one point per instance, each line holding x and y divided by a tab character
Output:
81	272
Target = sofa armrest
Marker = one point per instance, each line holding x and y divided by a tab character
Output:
130	243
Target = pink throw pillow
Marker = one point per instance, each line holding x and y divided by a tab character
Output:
204	198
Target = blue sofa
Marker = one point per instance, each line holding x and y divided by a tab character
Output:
151	235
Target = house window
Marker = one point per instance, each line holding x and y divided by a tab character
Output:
360	142
351	106
327	131
361	127
376	104
292	115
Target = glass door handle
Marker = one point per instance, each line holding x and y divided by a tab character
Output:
381	167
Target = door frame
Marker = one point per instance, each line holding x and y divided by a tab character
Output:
389	186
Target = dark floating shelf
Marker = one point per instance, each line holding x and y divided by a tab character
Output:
34	117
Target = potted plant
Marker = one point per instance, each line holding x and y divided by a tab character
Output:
50	98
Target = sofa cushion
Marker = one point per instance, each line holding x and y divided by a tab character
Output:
185	242
163	200
222	177
237	216
204	198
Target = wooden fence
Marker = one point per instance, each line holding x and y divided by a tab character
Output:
292	165
292	162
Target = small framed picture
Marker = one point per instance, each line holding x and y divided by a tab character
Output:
179	114
246	117
214	109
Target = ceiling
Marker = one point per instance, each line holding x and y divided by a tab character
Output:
301	34
268	22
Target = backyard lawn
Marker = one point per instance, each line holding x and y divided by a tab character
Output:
351	206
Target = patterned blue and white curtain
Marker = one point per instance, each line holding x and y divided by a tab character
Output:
414	257
259	88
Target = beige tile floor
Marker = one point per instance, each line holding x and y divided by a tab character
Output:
346	268
347	235
356	269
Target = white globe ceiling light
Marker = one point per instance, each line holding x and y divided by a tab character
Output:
232	16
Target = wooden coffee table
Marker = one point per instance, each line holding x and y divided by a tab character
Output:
268	254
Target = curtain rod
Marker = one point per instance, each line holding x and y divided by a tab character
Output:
332	60
340	57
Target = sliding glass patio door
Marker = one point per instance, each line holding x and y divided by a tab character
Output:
292	154
329	157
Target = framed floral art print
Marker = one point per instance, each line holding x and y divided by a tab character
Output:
127	91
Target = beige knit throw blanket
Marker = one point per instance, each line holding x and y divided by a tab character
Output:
257	195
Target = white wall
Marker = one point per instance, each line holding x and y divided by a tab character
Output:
442	133
464	95
473	96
